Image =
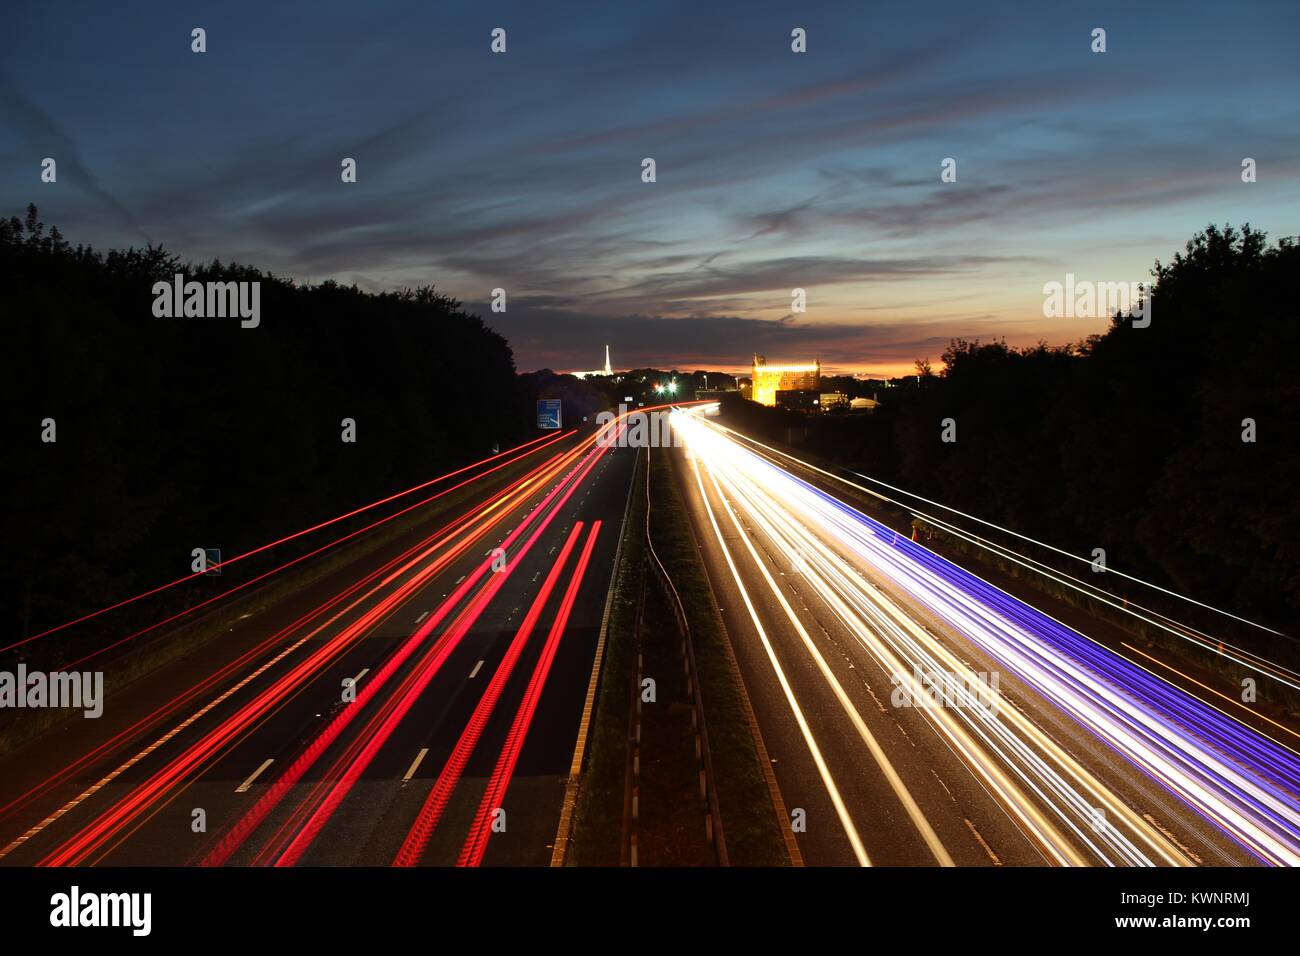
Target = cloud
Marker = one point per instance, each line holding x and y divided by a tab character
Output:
775	170
45	136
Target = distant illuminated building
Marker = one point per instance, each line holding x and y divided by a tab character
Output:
801	399
607	370
770	379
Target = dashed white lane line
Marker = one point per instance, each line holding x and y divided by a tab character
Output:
462	577
179	728
421	617
415	765
474	672
360	674
243	787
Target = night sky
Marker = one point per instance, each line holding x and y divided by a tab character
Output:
775	170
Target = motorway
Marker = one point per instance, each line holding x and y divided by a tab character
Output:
419	703
418	706
917	716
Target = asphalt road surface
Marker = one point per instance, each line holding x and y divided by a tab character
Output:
1036	756
257	736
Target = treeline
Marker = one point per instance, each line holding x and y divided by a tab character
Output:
1131	441
179	433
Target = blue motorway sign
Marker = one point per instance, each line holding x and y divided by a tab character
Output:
548	413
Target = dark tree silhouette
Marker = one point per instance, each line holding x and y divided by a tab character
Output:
182	433
1130	440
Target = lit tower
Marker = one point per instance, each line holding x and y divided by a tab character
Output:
608	369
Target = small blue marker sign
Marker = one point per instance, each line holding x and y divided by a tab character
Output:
548	413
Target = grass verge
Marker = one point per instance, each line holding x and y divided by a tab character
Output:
749	820
598	815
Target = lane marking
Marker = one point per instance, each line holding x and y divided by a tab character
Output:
415	765
179	728
421	617
474	672
243	787
560	847
828	781
895	780
183	725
